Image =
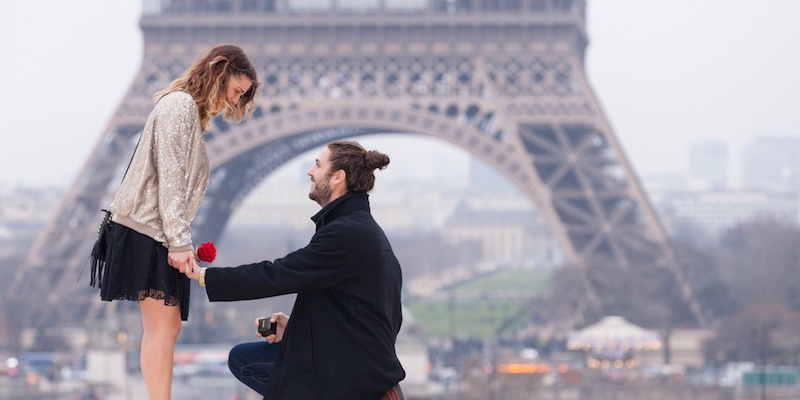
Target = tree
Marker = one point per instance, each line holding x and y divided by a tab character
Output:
763	332
762	260
701	268
643	293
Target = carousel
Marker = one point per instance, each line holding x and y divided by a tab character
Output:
611	345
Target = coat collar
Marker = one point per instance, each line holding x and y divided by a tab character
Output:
346	204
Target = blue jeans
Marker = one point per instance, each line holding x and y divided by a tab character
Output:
252	363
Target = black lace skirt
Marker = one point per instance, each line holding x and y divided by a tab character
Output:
136	268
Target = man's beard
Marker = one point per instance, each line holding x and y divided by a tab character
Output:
321	191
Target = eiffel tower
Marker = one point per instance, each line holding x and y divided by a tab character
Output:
501	79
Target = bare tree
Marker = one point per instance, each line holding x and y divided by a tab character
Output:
763	332
761	261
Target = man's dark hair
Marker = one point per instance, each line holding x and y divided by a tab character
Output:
357	163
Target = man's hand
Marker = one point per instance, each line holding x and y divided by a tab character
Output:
183	261
281	319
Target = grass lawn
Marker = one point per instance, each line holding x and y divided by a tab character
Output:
536	281
483	306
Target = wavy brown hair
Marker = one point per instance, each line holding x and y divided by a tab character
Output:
357	163
207	81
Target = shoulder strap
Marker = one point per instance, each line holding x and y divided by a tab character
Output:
139	141
134	153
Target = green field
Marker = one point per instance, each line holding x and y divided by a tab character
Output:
534	281
494	303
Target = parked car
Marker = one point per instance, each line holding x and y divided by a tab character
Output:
42	364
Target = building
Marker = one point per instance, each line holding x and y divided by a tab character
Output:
708	162
712	212
772	163
507	229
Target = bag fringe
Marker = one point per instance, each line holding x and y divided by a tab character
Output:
96	277
98	255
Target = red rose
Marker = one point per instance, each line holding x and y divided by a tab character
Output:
206	252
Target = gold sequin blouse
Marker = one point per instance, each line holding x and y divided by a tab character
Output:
168	175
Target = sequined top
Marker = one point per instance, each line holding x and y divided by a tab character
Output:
168	175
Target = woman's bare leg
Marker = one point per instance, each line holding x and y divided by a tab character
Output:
162	324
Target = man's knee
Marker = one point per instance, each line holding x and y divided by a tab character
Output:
235	357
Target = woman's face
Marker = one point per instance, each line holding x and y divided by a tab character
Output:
237	86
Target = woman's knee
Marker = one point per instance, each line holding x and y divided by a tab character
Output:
165	329
160	320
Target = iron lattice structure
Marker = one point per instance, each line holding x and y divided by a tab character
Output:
501	79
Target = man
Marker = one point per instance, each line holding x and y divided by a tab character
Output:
339	341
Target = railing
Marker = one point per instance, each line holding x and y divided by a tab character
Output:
178	7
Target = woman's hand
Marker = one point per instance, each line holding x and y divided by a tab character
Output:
184	261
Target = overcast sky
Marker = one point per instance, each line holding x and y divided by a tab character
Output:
668	73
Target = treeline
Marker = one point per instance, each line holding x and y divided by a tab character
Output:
747	281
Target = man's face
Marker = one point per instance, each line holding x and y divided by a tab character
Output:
320	175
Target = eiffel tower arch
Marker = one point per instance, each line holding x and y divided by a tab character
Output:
501	79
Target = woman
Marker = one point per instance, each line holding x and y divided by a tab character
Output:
150	243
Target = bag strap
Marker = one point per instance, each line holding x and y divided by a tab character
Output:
105	223
107	217
137	146
131	161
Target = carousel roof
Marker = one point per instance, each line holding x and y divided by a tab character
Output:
613	333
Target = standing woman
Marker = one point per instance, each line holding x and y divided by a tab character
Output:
150	244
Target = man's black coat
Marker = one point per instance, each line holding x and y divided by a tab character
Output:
339	343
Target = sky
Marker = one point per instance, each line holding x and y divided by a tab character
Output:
668	73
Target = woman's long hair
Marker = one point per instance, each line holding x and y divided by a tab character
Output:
206	81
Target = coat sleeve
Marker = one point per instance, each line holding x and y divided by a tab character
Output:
324	262
173	132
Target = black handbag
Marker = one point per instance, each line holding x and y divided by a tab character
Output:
100	249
